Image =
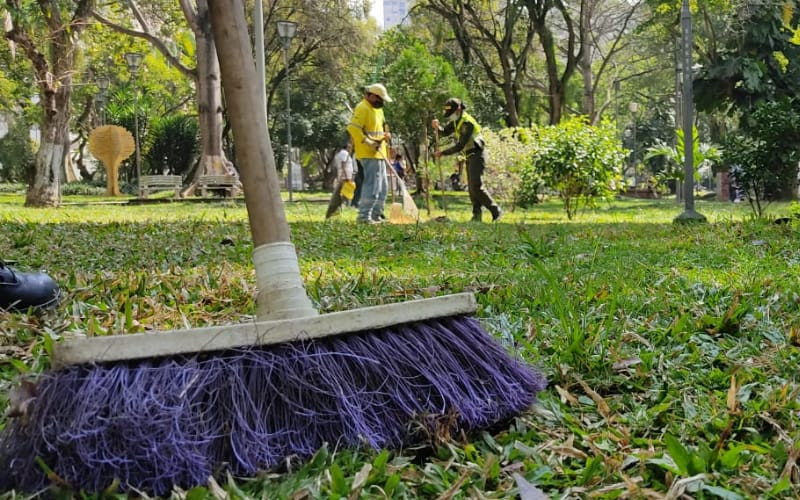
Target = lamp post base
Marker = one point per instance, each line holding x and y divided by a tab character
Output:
689	217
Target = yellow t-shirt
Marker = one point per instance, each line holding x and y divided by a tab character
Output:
367	122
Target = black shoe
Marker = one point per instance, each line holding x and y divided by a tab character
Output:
476	218
20	291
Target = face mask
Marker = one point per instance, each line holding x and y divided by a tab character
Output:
377	103
454	117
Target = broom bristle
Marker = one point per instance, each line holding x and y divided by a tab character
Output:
175	422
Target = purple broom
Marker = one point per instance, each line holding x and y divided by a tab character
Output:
159	410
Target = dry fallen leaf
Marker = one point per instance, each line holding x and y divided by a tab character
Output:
733	404
566	397
360	480
528	491
602	406
626	363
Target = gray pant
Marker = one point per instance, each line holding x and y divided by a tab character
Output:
373	191
478	195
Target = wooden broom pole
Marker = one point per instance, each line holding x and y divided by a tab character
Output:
281	294
427	171
439	166
254	153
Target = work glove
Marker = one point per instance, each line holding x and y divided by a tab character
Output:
376	145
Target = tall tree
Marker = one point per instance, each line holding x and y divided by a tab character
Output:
205	74
47	32
559	67
498	36
605	32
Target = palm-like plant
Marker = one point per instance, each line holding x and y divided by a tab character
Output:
703	154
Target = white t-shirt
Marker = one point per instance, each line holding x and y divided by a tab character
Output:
344	165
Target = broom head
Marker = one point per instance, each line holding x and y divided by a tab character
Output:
227	400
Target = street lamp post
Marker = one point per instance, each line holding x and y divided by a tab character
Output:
286	31
634	107
134	60
689	214
258	31
102	84
616	103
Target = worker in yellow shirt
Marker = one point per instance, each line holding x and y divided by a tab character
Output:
370	139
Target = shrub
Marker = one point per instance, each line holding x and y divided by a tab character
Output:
510	174
173	145
13	188
580	162
763	155
84	188
17	153
702	154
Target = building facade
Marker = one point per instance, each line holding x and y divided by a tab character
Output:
394	12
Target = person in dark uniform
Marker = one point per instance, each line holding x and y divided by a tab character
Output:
469	140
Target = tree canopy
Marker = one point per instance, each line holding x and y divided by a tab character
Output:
517	63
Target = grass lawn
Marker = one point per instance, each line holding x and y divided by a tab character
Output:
671	351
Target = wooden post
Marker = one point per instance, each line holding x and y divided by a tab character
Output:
439	166
281	294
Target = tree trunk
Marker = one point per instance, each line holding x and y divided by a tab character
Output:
209	98
80	163
553	80
512	116
45	189
554	62
588	93
421	166
584	63
585	66
556	101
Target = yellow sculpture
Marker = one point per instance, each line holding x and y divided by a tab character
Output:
111	145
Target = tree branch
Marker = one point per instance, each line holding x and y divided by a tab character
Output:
616	45
190	14
81	16
51	15
38	60
155	41
138	15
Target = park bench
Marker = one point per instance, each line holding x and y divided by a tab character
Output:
226	183
641	192
152	183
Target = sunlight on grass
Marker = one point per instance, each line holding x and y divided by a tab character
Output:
642	326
